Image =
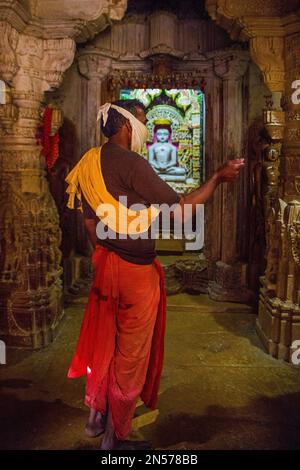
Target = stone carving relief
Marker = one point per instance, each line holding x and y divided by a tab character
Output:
9	41
295	243
279	294
273	137
288	221
271	172
118	79
11	233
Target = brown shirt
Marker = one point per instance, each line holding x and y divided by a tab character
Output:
126	173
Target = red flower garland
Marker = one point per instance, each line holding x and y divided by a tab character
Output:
49	143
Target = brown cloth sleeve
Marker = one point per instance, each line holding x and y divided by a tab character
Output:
150	186
88	212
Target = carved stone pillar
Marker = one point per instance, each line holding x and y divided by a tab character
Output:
278	321
94	67
273	31
30	286
230	273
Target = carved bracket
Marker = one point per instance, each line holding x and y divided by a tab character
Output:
267	53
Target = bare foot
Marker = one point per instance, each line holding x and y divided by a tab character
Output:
134	445
95	425
110	440
116	444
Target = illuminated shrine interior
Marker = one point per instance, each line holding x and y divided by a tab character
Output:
215	78
180	113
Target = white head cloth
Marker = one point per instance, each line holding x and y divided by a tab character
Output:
139	130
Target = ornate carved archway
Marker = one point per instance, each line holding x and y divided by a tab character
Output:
221	72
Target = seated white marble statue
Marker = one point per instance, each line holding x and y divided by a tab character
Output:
163	157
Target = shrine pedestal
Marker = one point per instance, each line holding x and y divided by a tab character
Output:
229	284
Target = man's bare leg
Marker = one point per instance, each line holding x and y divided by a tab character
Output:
96	424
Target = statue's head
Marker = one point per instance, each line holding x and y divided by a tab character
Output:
163	135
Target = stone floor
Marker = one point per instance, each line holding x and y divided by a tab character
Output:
219	389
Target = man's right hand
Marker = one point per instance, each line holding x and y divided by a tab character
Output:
230	170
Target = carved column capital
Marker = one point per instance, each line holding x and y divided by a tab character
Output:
231	64
42	62
92	64
31	66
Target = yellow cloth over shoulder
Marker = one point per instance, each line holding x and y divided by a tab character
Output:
86	178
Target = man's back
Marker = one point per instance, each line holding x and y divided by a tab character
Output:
128	174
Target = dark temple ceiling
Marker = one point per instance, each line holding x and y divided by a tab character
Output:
183	8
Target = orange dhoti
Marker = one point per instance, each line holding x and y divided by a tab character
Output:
120	347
